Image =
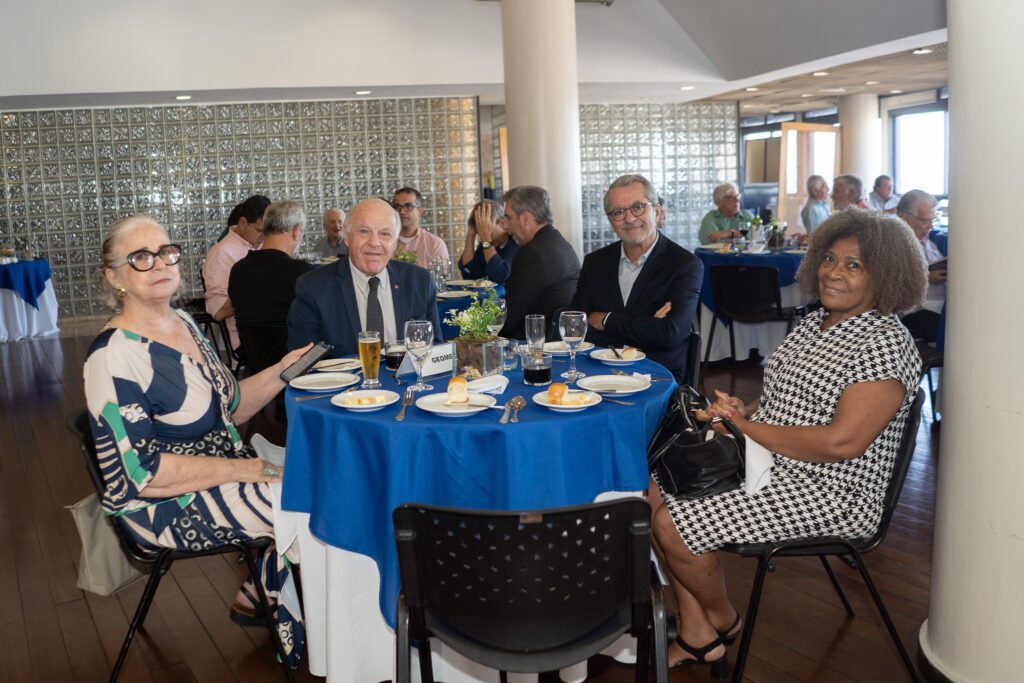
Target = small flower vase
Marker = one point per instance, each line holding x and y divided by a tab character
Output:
478	359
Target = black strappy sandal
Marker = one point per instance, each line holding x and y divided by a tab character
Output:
719	667
730	634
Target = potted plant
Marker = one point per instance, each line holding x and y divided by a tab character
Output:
476	352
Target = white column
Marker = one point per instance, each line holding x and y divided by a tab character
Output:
861	133
975	626
542	105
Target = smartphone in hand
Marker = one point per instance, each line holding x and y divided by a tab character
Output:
305	362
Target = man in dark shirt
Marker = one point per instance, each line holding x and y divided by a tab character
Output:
544	270
262	285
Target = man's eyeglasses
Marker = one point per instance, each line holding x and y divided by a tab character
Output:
144	259
637	210
932	221
404	207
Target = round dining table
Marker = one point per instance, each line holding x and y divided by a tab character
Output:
347	471
28	304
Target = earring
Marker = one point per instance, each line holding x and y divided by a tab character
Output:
121	292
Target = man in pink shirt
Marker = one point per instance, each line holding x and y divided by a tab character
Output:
408	202
242	238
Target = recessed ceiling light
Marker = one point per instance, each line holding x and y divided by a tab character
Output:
807	94
922	51
183	97
687	87
774	111
895	92
746	106
871	82
833	90
751	89
820	73
363	92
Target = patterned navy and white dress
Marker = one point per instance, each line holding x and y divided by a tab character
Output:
802	384
146	399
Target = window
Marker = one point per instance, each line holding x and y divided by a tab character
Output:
920	148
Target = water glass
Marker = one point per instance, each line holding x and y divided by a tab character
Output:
499	321
536	334
511	353
572	325
369	358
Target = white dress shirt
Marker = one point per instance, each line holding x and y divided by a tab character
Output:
387	305
629	272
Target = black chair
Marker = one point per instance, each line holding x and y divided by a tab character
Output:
528	591
747	294
161	559
261	346
825	546
931	358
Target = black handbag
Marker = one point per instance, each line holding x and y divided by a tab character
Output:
688	464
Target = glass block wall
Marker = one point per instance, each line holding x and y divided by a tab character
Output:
66	175
684	149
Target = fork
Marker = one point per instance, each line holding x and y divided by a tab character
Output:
615	351
406	402
653	379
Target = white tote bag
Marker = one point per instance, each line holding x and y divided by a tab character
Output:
104	567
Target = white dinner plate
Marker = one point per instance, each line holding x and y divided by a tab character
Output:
607	356
558	348
338	365
324	381
796	251
381	397
436	403
709	246
613	384
541	399
482	284
455	294
461	283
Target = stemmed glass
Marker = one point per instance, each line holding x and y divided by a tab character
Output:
499	321
419	339
572	325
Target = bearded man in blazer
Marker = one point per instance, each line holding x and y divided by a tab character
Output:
643	290
332	302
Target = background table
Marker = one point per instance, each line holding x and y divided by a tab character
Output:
764	337
347	471
28	305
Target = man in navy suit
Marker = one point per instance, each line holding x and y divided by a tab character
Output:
643	290
366	291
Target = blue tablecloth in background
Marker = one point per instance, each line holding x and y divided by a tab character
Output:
27	278
349	470
787	264
445	306
941	239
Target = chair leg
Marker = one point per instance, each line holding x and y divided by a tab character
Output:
748	626
931	393
250	561
707	350
659	636
160	568
893	633
732	339
426	665
641	670
403	670
835	584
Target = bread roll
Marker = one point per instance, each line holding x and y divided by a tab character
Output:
556	392
458	391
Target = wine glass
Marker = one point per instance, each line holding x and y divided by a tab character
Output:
499	322
572	325
419	339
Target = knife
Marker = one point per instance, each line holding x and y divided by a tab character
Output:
406	400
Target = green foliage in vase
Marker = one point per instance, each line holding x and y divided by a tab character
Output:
473	321
405	255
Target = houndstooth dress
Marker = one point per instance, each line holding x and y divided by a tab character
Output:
802	384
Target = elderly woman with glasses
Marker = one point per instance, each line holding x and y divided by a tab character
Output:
163	410
491	256
724	221
835	399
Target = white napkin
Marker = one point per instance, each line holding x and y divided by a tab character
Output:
643	377
495	384
759	467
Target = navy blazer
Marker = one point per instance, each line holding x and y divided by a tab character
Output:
325	305
671	274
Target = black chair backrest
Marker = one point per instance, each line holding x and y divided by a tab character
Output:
740	289
899	471
534	583
262	345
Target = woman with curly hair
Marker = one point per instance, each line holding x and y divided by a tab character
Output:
836	396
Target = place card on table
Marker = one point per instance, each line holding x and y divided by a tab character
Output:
440	361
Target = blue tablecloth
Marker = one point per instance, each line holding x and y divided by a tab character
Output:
787	264
941	239
27	278
350	470
445	306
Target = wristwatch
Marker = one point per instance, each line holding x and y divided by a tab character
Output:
486	245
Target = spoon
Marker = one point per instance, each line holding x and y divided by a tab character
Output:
517	403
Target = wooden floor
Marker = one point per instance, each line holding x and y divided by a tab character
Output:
50	631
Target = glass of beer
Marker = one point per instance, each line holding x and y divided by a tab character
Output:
369	357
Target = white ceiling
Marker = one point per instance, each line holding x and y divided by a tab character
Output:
107	52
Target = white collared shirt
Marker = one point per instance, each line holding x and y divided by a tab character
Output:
387	305
629	272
